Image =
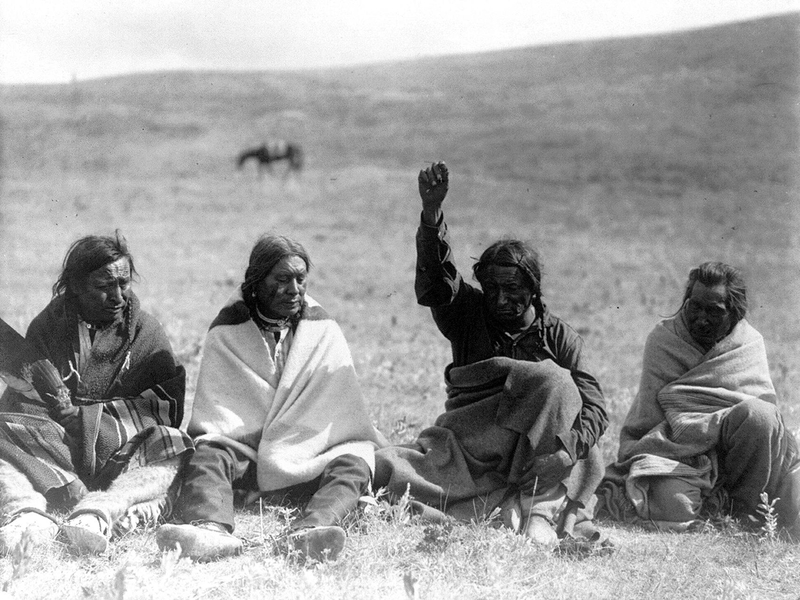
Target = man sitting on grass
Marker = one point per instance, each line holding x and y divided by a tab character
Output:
523	415
704	434
278	410
97	431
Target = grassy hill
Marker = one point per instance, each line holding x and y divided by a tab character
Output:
627	162
675	109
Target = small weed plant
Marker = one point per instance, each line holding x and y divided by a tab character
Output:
766	508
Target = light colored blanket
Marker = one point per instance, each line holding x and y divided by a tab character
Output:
674	424
684	394
292	426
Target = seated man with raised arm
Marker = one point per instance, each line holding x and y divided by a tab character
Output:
523	415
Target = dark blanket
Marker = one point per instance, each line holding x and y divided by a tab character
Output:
130	392
499	414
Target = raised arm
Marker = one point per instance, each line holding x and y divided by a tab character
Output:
437	279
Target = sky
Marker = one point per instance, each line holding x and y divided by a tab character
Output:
54	41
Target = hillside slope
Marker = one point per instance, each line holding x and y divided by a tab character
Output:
714	108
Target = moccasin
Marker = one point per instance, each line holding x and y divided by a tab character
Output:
87	532
37	527
317	543
202	541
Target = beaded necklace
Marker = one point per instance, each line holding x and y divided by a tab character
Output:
272	325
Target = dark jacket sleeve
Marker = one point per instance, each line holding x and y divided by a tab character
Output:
437	280
440	286
592	421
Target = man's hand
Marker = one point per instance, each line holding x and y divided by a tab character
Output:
433	183
545	471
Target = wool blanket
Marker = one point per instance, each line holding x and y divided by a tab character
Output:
675	421
128	387
499	414
294	425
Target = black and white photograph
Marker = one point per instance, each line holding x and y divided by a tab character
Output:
448	300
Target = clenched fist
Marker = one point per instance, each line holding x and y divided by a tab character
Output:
433	183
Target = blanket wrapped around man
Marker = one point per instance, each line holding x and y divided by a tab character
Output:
499	414
667	441
128	386
294	425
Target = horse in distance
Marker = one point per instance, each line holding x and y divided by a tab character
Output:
271	152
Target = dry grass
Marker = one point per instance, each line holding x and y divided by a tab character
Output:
620	201
393	556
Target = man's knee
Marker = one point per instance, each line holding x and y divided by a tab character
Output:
213	457
754	417
350	468
672	499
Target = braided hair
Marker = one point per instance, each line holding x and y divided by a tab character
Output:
514	253
268	251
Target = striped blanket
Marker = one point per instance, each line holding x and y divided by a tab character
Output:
292	426
674	424
684	393
130	391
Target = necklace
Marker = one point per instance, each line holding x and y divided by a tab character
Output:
272	325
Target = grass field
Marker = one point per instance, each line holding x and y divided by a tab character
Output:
625	162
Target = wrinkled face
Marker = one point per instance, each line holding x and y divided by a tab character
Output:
103	295
507	296
707	314
280	294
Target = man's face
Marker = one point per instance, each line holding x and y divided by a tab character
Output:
707	314
281	293
103	295
507	296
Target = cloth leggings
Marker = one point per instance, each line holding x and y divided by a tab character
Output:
756	453
215	471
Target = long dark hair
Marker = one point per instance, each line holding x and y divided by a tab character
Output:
719	273
514	253
88	254
268	251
